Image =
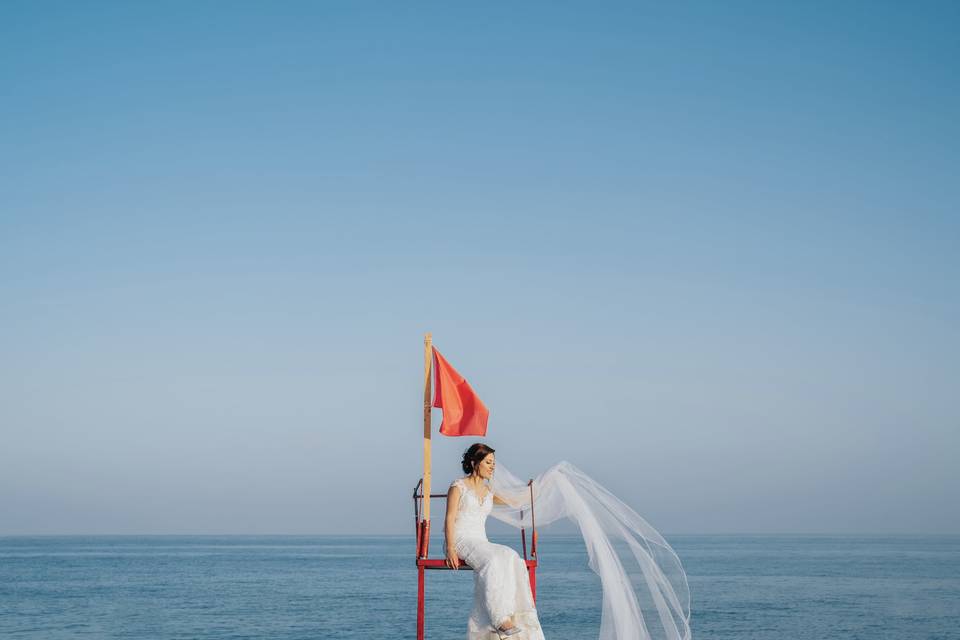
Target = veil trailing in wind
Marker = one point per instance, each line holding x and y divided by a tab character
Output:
645	591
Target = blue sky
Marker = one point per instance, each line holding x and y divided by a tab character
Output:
707	253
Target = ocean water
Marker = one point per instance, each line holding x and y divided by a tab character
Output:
769	587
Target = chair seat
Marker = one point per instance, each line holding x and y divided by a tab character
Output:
437	563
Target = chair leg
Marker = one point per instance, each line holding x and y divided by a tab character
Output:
420	581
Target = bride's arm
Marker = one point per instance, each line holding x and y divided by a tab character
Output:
449	529
516	504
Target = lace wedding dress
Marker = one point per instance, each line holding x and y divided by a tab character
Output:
501	586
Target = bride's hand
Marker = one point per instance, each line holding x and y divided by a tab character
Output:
453	560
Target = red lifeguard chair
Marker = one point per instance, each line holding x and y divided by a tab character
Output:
424	562
421	506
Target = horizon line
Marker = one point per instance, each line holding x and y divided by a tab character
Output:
410	535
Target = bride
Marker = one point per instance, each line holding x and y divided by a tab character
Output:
645	592
502	599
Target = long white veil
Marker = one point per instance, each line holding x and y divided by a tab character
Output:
645	591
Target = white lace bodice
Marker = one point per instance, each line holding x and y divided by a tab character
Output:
472	513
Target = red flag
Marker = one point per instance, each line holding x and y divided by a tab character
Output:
463	412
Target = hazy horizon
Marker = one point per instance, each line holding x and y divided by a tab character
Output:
708	254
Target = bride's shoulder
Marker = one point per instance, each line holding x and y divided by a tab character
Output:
458	483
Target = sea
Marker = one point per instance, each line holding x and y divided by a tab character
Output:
744	587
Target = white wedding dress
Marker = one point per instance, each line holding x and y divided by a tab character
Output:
501	586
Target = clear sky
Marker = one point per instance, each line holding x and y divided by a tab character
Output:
708	253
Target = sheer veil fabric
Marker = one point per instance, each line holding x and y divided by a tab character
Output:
645	591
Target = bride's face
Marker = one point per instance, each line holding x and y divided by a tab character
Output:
486	466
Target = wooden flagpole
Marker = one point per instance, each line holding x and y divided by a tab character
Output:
427	406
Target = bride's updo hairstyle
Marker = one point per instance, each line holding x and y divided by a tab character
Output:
474	455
